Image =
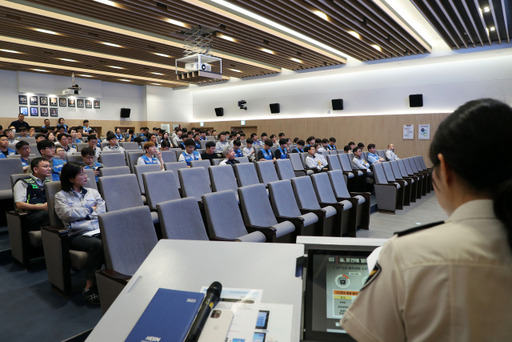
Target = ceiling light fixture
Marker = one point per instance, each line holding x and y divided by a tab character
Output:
228	38
40	70
162	54
267	51
85	75
296	60
108	2
492	28
486	9
157	73
157	84
354	34
321	14
376	47
67	60
115	67
46	31
176	22
10	51
235	70
111	44
124	80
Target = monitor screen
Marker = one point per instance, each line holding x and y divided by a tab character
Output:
333	281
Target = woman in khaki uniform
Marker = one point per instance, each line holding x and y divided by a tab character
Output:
451	281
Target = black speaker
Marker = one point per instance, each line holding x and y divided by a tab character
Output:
337	104
416	100
274	108
125	112
219	111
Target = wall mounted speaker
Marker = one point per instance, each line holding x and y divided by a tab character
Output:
274	108
219	111
125	112
416	100
337	104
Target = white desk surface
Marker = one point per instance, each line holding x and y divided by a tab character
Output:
188	265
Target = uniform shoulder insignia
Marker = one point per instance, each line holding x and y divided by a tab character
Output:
373	274
417	229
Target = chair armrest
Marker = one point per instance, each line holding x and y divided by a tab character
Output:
61	232
298	222
120	278
366	195
269	232
352	200
218	238
319	212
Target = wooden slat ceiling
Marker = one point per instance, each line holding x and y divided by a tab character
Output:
365	30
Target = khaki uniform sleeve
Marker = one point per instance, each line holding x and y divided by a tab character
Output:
376	314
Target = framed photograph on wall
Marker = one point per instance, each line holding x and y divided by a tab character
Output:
24	110
80	103
62	102
88	104
34	101
54	102
44	111
96	104
34	111
54	112
22	99
43	100
71	102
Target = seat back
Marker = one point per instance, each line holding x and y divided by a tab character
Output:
396	169
169	156
412	164
181	219
266	172
284	169
30	140
131	158
8	167
256	206
242	159
408	166
417	162
81	146
296	162
223	216
346	165
130	146
16	176
388	172
305	193
323	188
175	166
112	159
338	184
128	236
216	161
160	186
303	156
380	176
91	179
51	189
334	162
222	178
246	174
75	158
120	192
381	153
282	198
194	182
140	170
201	163
401	166
112	171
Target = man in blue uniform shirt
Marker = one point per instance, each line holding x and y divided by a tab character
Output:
4	147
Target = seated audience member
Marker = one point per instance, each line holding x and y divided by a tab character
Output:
119	135
47	150
360	145
300	146
282	151
275	141
165	145
248	150
288	145
40	137
310	141
154	140
4	147
23	149
32	132
373	157
351	145
323	147
92	140
78	208
176	137
255	141
359	163
60	153
62	124
151	156
74	138
30	196
189	154
18	124
263	137
46	125
315	162
113	145
197	141
202	135
10	136
130	137
332	143
242	138
229	155
64	142
23	132
89	161
346	149
222	143
390	153
266	153
51	137
236	148
210	153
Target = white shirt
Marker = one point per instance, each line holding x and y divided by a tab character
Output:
390	155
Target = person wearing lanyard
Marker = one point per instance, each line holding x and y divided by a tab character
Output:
281	152
189	154
152	156
265	153
300	147
332	143
236	149
119	135
23	149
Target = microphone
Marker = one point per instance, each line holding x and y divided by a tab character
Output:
209	301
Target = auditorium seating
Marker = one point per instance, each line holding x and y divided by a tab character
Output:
284	169
160	186
246	174
181	219
112	159
222	178
389	195
266	172
194	182
406	188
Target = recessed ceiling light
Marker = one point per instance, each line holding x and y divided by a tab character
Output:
486	9
115	67
162	54
156	83
354	34
9	51
85	75
176	22
268	51
492	28
46	31
111	44
321	14
40	70
235	70
228	38
107	2
124	80
67	60
296	60
157	73
376	47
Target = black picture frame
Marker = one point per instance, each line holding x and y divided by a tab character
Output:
54	112
96	104
44	111
80	103
54	101
62	102
71	102
88	104
34	111
34	100
22	99
24	110
43	100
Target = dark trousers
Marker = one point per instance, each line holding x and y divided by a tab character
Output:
94	248
36	219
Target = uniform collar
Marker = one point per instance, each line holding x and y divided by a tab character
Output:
477	209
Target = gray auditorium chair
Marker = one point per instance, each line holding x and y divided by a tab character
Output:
284	169
128	237
225	221
308	203
334	162
91	179
418	171
30	140
216	161
160	186
246	174
132	157
194	182
405	188
285	208
420	165
169	156
201	163
360	200
242	160
266	172
8	167
140	170
112	171
345	209
181	219
411	183
81	146
175	166
222	178
405	175
257	213
298	166
356	179
75	158
388	198
112	159
130	146
59	257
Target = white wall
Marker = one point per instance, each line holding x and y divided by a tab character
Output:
166	104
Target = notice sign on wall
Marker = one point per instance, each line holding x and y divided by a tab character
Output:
408	132
424	132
